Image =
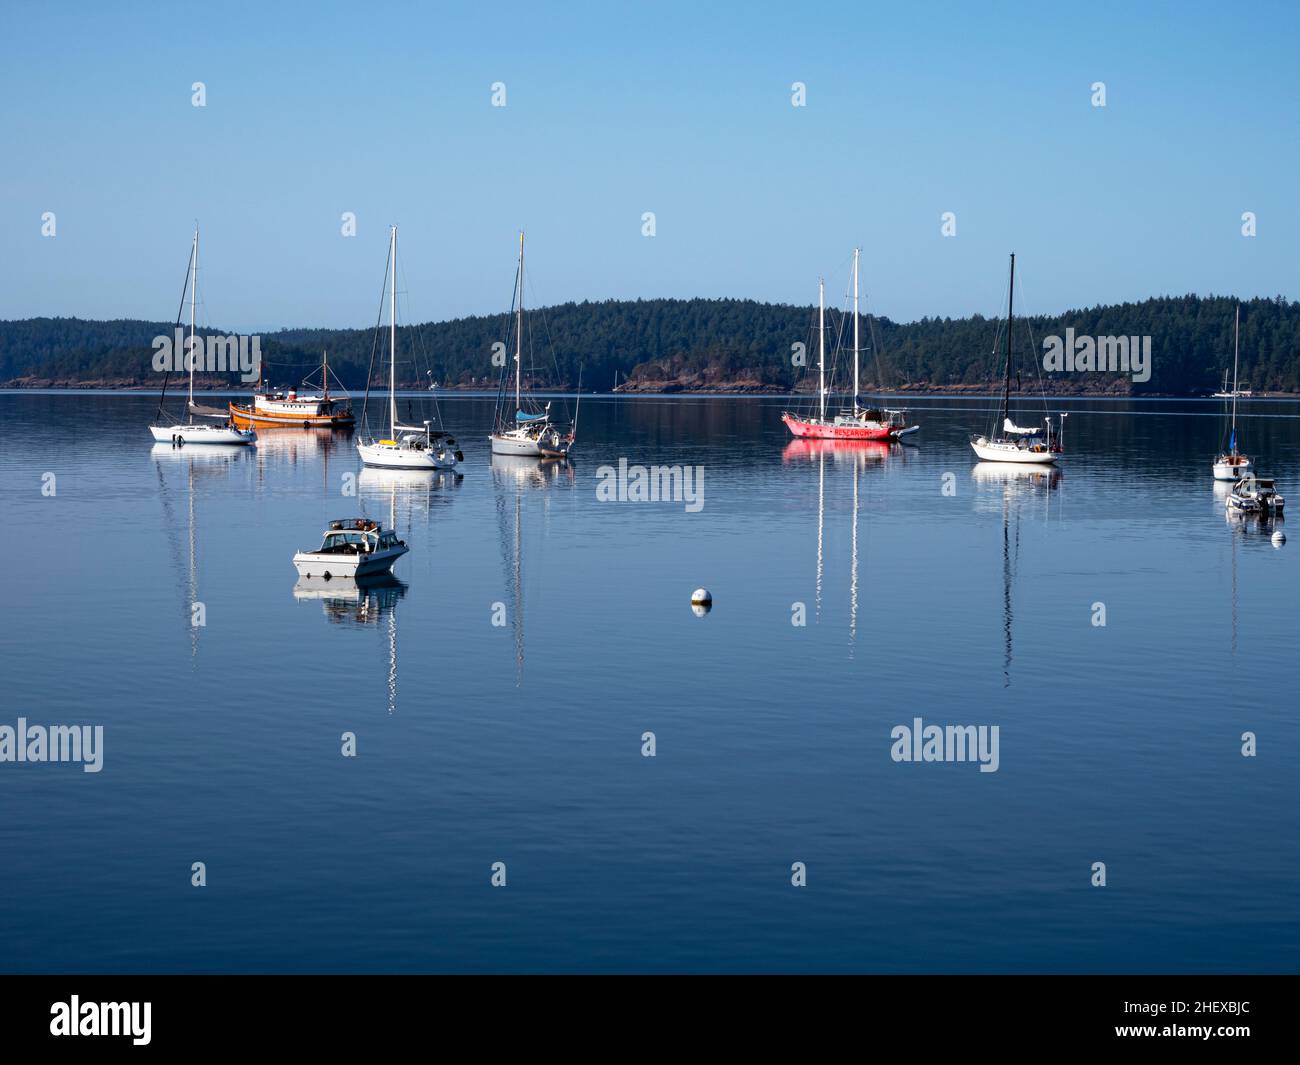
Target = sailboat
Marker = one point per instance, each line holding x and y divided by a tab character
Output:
192	432
1231	465
1009	442
530	433
857	423
406	447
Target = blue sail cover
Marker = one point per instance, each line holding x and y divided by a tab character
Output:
520	416
1233	445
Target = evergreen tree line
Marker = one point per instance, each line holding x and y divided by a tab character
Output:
665	342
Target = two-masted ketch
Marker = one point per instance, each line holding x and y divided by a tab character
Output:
857	422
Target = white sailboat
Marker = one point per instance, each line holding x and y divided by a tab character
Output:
407	447
1232	465
531	434
1009	442
192	432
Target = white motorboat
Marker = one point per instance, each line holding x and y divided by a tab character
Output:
407	447
1009	442
1256	495
528	433
1231	465
352	547
192	432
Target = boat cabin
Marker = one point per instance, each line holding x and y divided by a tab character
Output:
357	536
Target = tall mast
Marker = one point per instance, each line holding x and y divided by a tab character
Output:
519	323
821	347
194	284
1006	386
392	338
1236	336
855	330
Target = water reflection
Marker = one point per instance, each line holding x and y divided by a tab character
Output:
1013	486
513	477
196	462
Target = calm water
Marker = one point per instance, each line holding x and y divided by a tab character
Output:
521	743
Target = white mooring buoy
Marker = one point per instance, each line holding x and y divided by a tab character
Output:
1278	538
701	602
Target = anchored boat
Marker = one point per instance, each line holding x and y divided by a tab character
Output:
1231	465
352	547
1009	442
192	432
857	422
298	408
1256	495
407	447
531	433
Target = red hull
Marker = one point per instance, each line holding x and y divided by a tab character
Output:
822	431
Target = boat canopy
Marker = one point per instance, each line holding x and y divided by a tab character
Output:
523	416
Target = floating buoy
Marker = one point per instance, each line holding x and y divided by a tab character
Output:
1278	538
701	602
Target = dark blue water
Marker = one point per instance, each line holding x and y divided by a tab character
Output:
521	743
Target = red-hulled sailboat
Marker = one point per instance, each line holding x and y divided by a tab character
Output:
859	423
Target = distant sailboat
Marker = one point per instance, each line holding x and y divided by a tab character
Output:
407	447
527	433
1231	465
192	432
1009	442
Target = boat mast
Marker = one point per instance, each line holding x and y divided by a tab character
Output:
1006	384
194	284
1236	336
392	338
519	323
821	347
855	330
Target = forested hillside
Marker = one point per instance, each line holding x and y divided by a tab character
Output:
722	344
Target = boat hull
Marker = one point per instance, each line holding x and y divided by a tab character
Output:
1230	471
318	564
201	434
818	430
387	457
991	451
527	447
247	419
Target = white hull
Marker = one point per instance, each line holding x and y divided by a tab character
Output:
390	457
317	564
993	451
1227	471
201	434
526	446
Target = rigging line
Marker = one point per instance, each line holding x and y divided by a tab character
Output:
1033	348
374	344
427	364
179	312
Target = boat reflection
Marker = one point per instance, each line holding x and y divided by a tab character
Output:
513	478
348	601
861	453
196	462
1011	488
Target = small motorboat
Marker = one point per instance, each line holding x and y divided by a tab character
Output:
352	547
1256	495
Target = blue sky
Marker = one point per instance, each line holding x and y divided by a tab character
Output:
680	109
